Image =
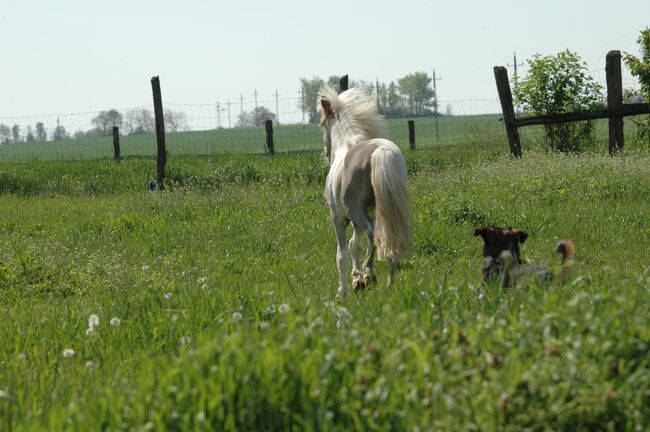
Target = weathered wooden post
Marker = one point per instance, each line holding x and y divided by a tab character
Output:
343	83
505	96
411	134
614	101
161	159
269	137
116	144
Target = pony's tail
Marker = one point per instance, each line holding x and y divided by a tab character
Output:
393	237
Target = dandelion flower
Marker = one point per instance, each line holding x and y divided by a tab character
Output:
68	353
115	322
283	308
93	321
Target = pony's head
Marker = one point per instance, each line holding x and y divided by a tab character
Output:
347	118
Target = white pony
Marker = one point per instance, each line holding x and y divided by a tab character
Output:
366	171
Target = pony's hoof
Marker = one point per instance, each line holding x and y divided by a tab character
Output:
359	283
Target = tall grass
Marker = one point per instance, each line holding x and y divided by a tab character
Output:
224	287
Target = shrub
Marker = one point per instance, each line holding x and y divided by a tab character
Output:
556	84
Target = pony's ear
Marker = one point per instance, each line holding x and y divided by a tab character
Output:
327	106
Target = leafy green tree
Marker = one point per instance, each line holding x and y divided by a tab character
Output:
5	134
640	68
29	137
556	84
416	89
59	132
41	133
15	133
310	88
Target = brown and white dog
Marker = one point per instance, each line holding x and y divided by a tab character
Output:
502	258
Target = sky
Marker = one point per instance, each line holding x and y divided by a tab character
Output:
78	56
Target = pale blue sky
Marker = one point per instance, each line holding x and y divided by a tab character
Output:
71	56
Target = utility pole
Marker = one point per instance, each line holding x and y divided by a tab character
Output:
302	103
435	102
377	89
255	94
229	122
514	65
277	108
241	101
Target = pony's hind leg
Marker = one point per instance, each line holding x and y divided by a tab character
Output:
363	226
342	258
355	246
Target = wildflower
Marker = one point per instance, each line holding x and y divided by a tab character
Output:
115	322
145	267
344	317
284	308
167	295
93	321
68	353
270	310
202	280
90	364
237	316
90	330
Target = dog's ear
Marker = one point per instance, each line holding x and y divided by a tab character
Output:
521	235
484	232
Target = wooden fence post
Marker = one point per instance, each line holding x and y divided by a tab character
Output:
269	137
411	135
343	83
116	144
505	96
614	100
161	159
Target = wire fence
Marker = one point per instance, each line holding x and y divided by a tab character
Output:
236	125
205	129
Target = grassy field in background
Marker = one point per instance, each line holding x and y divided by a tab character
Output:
451	131
217	310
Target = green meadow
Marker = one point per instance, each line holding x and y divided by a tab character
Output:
211	305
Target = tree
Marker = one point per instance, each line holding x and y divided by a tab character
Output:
640	68
139	121
257	117
15	134
41	133
556	84
416	89
310	89
29	137
175	121
106	120
59	132
5	134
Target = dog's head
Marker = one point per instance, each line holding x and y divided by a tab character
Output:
497	240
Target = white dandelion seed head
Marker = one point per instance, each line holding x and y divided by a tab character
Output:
90	364
90	330
68	353
270	309
22	356
283	308
237	316
200	416
167	295
115	322
202	280
93	321
145	267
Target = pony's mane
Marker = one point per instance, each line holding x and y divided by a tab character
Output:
357	114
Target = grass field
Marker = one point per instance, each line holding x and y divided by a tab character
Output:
216	310
287	138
